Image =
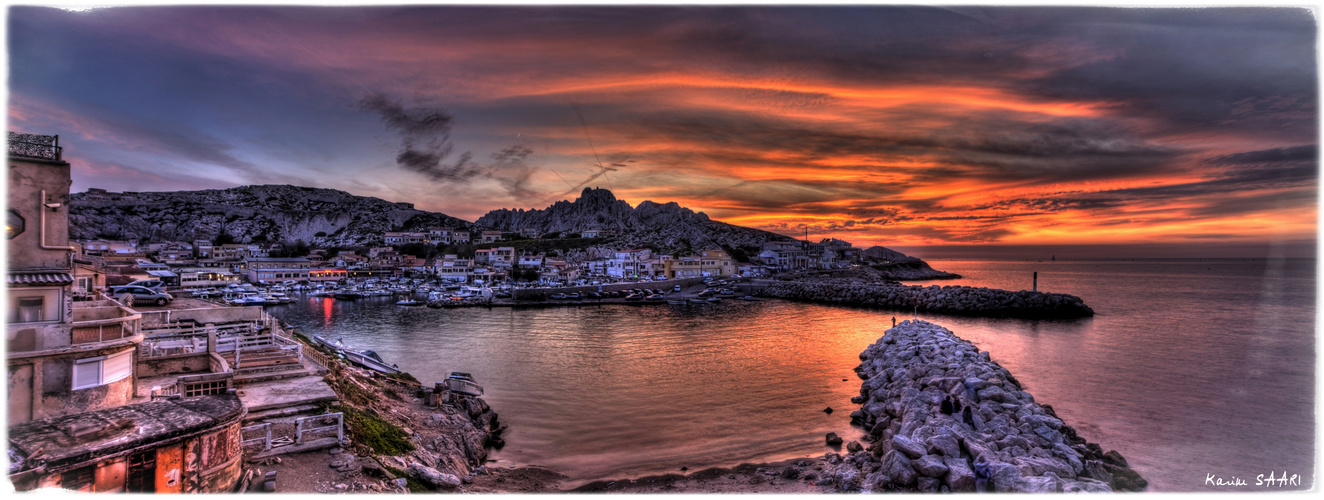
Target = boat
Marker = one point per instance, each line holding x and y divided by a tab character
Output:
348	295
675	302
750	298
714	299
365	358
697	301
463	383
408	302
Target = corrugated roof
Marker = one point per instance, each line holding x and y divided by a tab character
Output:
40	278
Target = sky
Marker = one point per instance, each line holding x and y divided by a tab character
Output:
901	126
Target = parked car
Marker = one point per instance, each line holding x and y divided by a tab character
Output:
144	295
149	284
675	288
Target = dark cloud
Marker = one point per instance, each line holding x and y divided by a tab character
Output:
510	171
425	138
1309	152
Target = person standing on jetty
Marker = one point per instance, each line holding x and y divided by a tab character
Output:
893	321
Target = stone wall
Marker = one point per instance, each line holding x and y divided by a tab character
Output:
543	293
942	416
952	300
192	363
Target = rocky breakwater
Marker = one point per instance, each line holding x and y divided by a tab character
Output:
951	299
942	416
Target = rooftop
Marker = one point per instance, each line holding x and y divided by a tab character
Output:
72	439
37	147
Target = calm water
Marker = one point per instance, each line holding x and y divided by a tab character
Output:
1190	368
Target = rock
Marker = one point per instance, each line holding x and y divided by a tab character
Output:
899	468
1038	484
433	477
1125	479
790	473
905	445
931	466
846	478
1085	485
929	484
1115	458
854	446
944	443
959	478
828	410
401	482
833	439
1095	469
875	481
832	458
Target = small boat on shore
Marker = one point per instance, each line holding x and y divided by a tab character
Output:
750	298
365	358
463	383
696	300
408	302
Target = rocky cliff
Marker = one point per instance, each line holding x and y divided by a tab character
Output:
667	226
275	213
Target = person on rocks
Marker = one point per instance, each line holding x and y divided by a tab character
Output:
893	321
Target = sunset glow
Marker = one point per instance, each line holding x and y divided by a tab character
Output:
895	126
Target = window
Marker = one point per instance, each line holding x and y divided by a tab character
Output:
102	370
34	305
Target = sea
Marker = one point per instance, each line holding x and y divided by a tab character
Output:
1199	372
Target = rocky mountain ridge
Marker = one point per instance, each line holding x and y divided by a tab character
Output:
275	213
664	225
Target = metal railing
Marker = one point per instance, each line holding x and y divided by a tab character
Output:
42	147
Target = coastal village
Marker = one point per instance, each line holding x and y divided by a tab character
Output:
135	367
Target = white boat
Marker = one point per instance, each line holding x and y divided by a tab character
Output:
463	383
750	298
408	302
364	358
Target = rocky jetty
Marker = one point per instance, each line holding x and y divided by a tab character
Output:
951	299
942	416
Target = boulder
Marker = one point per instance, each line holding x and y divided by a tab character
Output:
1085	485
833	439
944	443
960	477
931	466
908	446
846	478
854	446
433	477
899	468
929	484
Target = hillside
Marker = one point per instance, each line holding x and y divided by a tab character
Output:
663	226
249	213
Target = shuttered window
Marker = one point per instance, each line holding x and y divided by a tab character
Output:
87	373
102	370
117	367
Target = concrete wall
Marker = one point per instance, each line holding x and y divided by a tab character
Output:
59	398
543	293
26	180
217	315
29	337
192	363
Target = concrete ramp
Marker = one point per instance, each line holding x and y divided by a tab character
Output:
283	393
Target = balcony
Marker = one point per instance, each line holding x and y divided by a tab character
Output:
37	147
103	321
